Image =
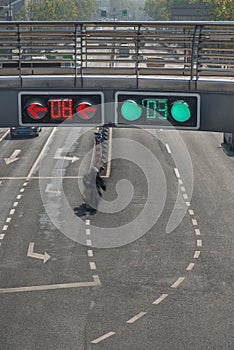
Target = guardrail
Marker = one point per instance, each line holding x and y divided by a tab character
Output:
156	49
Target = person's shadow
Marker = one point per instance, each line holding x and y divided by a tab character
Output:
82	210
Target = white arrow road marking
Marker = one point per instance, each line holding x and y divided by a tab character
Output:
45	257
13	157
56	192
59	156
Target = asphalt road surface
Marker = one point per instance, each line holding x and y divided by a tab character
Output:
151	269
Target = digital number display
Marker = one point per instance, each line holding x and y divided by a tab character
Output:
47	108
164	110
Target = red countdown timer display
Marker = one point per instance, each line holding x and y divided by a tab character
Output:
50	108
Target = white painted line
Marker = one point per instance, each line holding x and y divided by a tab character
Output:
178	282
109	154
168	148
4	135
177	173
40	154
5	227
1	183
197	232
90	253
199	243
25	184
103	337
8	219
12	211
88	242
191	212
137	317
182	189
2	235
180	182
197	254
39	177
92	266
22	190
188	204
15	204
190	266
194	222
19	196
87	231
96	281
160	299
185	196
87	222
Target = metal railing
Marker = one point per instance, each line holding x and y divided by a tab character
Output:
156	49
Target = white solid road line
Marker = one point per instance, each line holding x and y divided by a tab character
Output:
103	337
40	154
96	281
109	155
137	317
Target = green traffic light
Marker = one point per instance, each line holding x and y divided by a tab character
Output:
130	110
180	111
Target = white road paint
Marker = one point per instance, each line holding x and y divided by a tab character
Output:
55	192
194	222
39	177
12	211
5	227
4	135
180	182
168	148
188	204
1	183
178	282
90	253
45	257
12	157
190	266
177	173
108	169
58	155
19	196
40	155
191	212
137	317
2	235
197	254
88	242
15	204
199	243
25	184
197	232
185	196
95	282
160	299
87	222
87	231
22	190
8	220
92	266
103	337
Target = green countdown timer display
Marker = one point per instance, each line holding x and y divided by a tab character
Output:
169	110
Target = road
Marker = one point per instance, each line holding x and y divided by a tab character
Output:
117	279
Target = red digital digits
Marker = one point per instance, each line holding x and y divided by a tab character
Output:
61	108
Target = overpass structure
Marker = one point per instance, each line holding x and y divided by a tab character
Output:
152	74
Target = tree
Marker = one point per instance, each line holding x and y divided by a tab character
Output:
159	10
57	10
220	10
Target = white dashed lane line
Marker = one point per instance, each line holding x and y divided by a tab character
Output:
160	299
197	254
103	337
137	317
